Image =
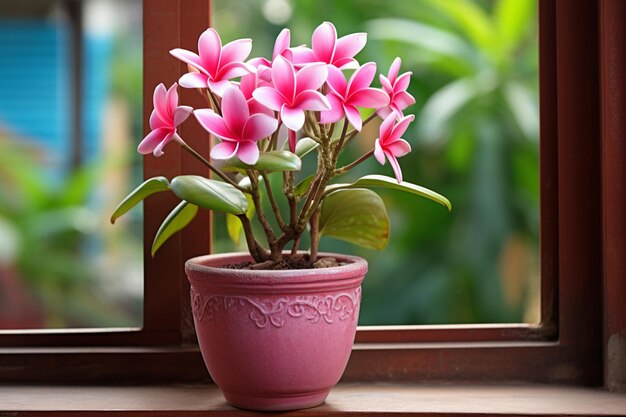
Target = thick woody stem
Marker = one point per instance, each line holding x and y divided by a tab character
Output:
253	247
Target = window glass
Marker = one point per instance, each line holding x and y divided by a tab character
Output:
475	140
70	119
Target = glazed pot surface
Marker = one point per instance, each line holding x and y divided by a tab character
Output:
275	340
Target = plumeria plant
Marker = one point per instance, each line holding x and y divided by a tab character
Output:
266	116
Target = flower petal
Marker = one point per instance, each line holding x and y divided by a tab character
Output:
395	166
323	42
346	63
156	122
398	147
235	51
158	150
269	97
235	110
248	152
194	80
385	83
369	97
403	100
399	129
402	83
171	98
311	100
159	101
383	112
224	150
300	55
219	87
210	49
292	118
181	113
259	126
284	78
213	123
311	77
336	110
386	127
234	69
337	80
394	69
152	139
378	152
362	77
190	58
353	116
350	45
282	42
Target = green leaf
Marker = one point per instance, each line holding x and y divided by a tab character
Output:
391	183
268	161
448	101
210	194
471	19
304	146
357	216
441	43
178	218
513	19
302	186
233	224
149	187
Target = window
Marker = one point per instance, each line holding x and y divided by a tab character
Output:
566	347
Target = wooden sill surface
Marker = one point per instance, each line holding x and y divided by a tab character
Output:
345	399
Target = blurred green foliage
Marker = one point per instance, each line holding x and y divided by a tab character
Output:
475	140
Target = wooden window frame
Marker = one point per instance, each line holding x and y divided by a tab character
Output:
581	210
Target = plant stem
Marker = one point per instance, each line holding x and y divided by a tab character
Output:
256	199
342	138
270	195
211	167
216	105
253	246
346	168
314	221
296	243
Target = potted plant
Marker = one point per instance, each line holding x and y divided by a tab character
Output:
276	325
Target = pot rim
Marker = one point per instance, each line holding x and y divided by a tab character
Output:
201	267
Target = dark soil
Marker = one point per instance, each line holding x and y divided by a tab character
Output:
297	262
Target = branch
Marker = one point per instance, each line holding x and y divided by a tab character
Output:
270	195
253	247
346	168
256	198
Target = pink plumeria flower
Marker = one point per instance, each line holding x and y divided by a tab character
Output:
345	97
338	52
165	117
249	83
396	87
293	93
238	130
216	64
390	144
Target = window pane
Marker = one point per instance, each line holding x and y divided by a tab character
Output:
475	140
70	117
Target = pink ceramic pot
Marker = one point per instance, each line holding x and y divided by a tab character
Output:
275	340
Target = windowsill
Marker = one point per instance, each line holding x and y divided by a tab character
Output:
352	399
